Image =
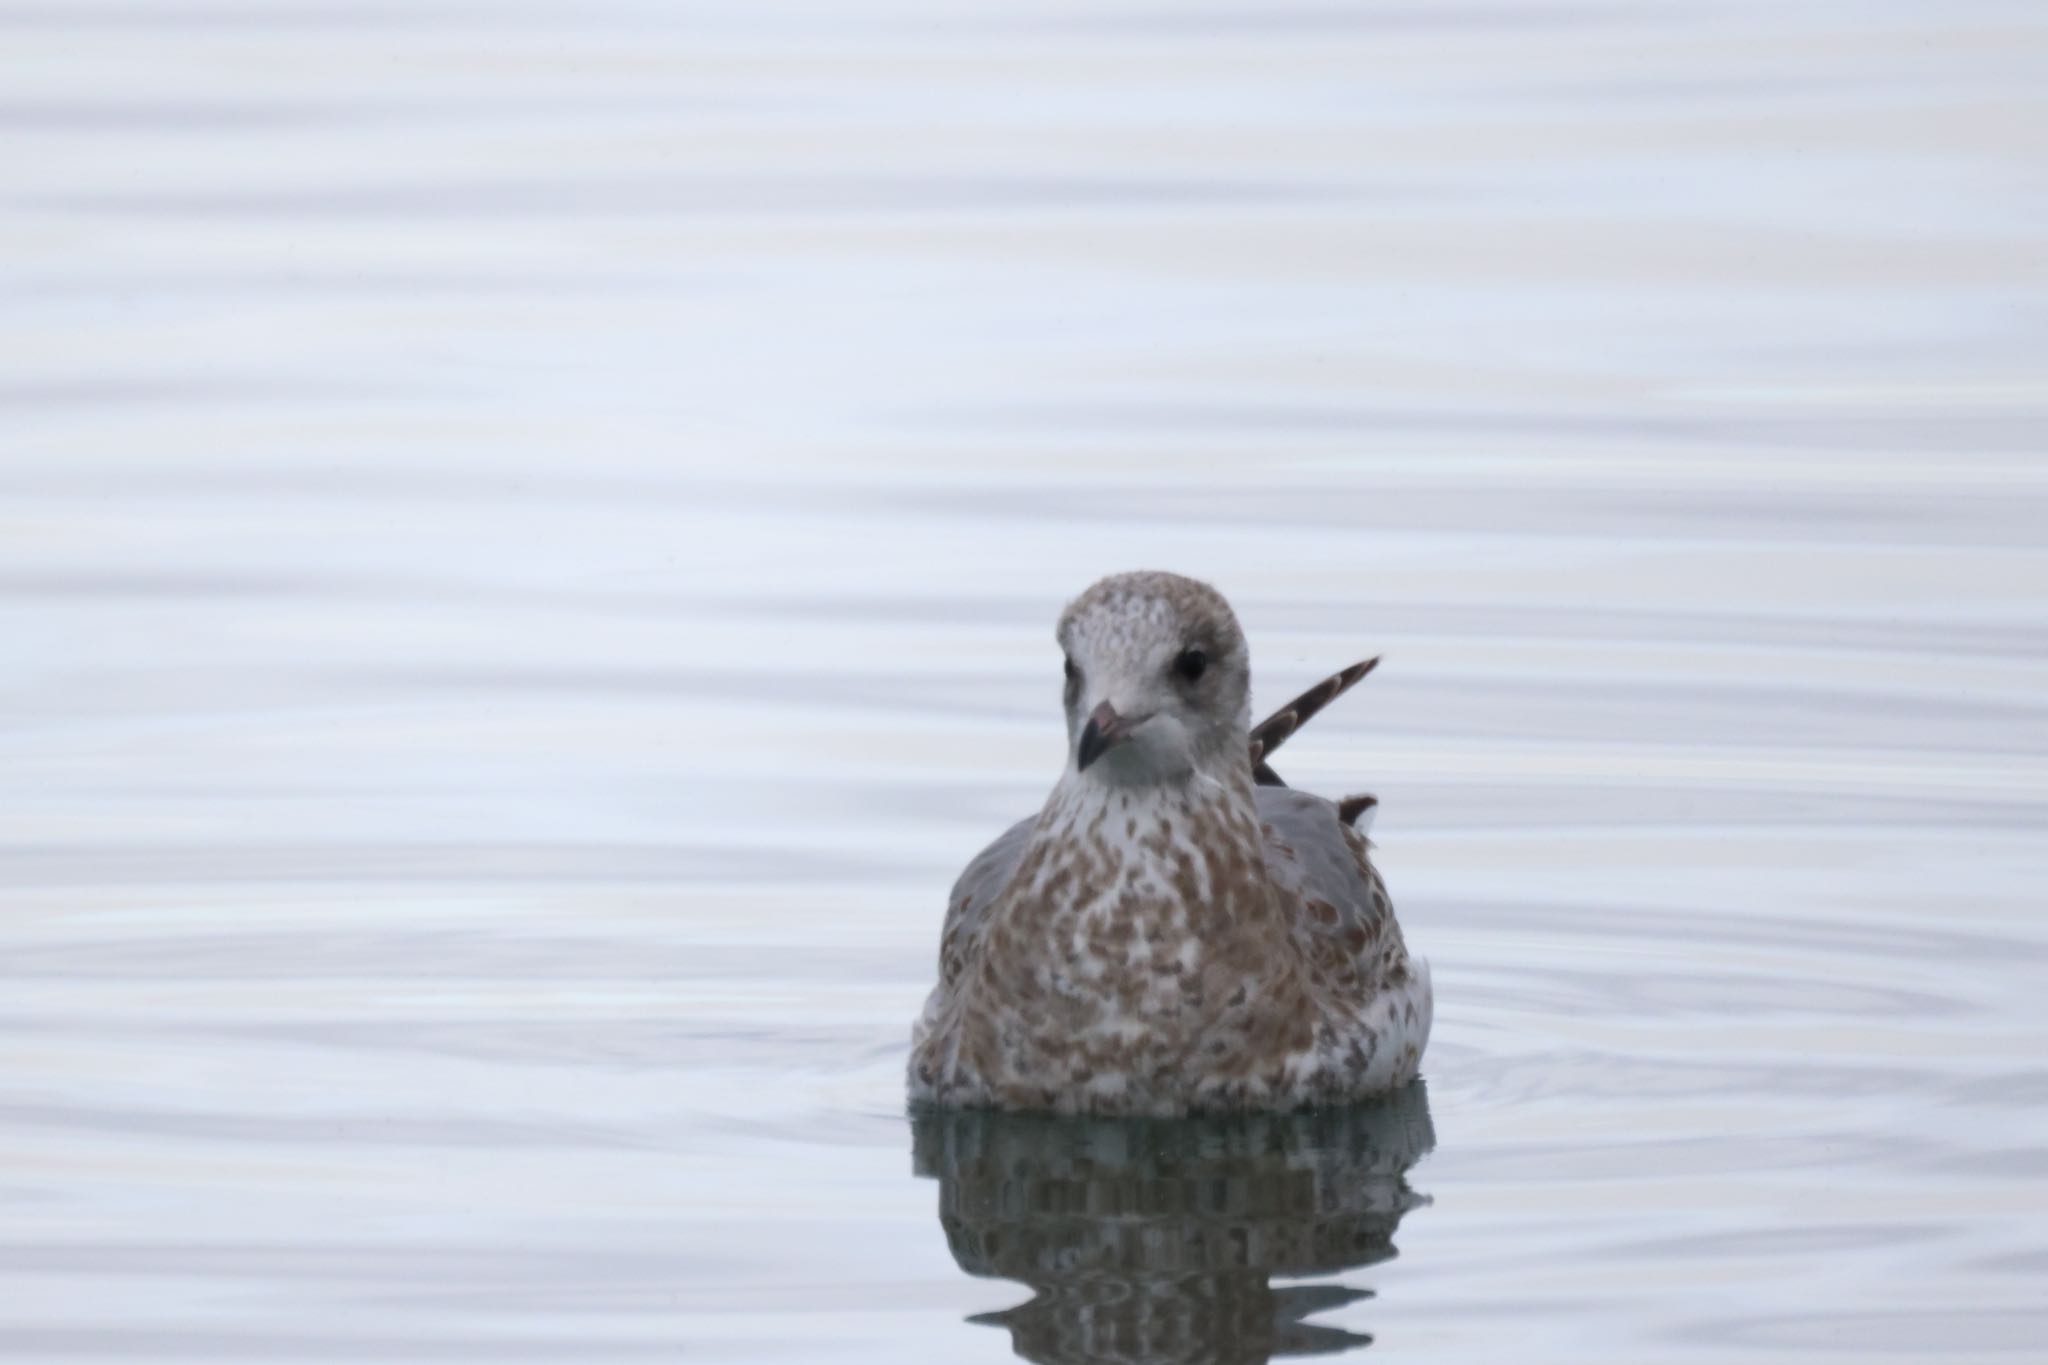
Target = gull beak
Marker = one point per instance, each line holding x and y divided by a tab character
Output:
1104	729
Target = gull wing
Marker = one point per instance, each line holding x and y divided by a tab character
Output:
1270	733
1346	913
974	890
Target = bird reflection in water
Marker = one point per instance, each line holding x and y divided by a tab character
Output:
1156	1239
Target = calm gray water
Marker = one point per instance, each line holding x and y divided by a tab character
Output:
529	536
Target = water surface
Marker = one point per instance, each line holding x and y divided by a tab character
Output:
529	537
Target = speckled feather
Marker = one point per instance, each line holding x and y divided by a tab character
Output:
1177	941
1270	733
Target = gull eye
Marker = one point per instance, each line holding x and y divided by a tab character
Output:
1190	664
1072	672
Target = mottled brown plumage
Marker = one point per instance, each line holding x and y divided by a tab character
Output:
1166	936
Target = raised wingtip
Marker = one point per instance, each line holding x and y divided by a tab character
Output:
1358	811
1270	733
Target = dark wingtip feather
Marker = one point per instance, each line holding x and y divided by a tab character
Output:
1351	807
1275	729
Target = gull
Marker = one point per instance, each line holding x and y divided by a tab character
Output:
1175	931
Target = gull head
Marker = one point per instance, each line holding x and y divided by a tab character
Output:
1158	680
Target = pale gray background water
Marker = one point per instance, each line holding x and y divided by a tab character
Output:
528	543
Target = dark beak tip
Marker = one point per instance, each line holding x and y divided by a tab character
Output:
1104	728
1091	747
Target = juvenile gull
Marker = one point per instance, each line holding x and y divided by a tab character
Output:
1175	931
